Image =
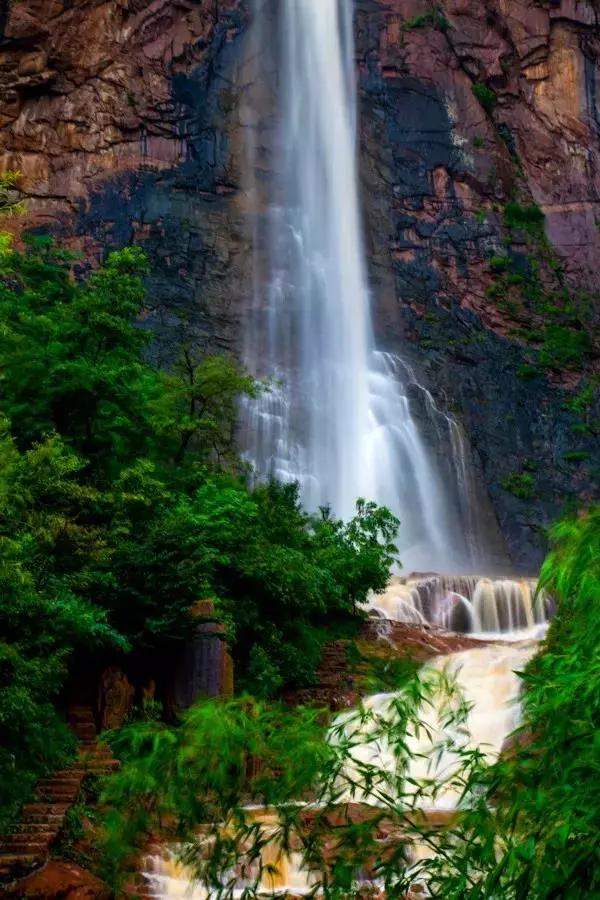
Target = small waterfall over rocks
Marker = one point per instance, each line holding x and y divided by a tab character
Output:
469	604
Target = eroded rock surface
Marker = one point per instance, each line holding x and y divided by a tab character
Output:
128	122
60	880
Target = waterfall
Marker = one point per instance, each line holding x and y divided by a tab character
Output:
488	682
340	417
466	603
487	679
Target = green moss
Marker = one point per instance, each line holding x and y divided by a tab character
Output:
576	456
10	202
520	484
528	218
431	19
583	400
485	95
531	465
500	263
478	142
557	322
564	348
510	306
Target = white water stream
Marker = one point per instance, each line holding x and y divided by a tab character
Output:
487	680
340	418
509	608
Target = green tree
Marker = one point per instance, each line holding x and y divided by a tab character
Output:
42	619
124	501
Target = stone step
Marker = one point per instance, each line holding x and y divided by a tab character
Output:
102	768
44	828
60	781
98	762
44	809
85	731
28	842
15	843
95	752
45	819
59	787
58	795
18	859
87	761
81	714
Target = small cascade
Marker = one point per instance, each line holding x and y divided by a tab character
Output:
469	604
487	680
280	874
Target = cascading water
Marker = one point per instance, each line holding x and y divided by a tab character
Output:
505	607
339	418
488	682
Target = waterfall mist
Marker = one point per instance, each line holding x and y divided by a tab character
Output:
340	416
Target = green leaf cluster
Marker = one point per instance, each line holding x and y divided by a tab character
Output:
10	203
521	484
433	18
557	323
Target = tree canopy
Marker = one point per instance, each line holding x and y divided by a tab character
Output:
123	502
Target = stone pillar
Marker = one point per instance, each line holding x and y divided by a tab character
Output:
115	698
204	668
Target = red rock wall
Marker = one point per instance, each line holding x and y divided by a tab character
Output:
86	91
542	62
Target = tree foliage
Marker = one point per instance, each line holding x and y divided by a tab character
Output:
123	502
10	202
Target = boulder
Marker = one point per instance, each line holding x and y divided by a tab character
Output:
60	880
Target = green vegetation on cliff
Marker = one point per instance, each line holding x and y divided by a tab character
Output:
123	502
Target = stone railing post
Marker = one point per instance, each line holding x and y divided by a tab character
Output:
204	667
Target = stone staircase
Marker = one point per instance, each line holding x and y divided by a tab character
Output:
27	845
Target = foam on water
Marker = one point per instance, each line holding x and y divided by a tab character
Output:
512	608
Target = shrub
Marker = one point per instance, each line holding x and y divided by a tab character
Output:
576	456
528	218
485	95
432	18
521	484
564	348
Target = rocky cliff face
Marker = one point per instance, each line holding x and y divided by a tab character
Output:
480	145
